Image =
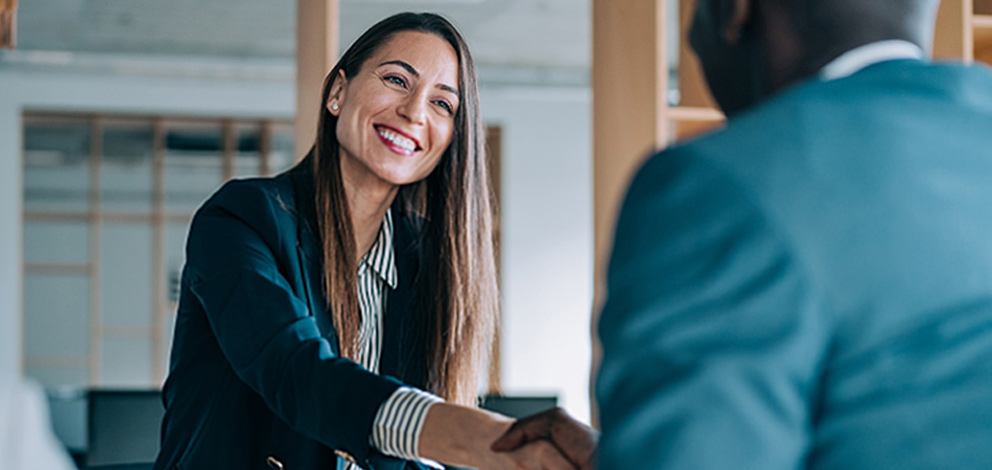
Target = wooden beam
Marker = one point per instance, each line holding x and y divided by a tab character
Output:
629	81
8	24
316	52
229	148
265	148
954	38
494	159
159	278
95	230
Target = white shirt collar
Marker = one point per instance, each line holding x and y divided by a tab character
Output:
380	258
869	54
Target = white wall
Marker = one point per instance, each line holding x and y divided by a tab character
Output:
11	174
89	92
547	199
547	240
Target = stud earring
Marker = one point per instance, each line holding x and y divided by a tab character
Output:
334	107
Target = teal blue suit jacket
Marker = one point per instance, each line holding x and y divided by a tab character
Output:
810	287
255	371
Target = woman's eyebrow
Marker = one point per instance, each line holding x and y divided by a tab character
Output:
448	88
409	68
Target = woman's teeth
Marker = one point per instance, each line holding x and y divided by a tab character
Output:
398	140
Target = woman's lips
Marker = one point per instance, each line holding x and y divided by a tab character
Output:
396	140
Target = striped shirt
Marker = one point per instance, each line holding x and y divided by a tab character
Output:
397	424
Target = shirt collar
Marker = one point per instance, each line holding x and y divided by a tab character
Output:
869	54
380	258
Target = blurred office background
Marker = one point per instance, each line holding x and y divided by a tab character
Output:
119	117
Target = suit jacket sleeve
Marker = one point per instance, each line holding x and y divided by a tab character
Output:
712	335
266	331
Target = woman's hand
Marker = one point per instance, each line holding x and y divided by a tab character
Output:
576	441
457	435
537	455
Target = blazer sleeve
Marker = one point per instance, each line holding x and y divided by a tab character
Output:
266	331
712	336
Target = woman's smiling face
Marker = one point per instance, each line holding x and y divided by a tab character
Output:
396	116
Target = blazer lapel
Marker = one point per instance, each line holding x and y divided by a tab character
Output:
308	249
402	348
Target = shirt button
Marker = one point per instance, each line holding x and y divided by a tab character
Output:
344	455
273	463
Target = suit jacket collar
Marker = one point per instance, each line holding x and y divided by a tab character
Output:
869	54
301	177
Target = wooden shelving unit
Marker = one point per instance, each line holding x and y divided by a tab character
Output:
631	109
982	34
690	121
964	31
697	112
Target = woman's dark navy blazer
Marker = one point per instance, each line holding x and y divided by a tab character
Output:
255	374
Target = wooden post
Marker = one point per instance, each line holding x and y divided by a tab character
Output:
494	159
8	24
159	275
229	149
629	80
316	52
954	38
95	364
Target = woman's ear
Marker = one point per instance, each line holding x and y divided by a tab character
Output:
335	96
734	18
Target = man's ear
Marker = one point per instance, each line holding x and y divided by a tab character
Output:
734	18
336	95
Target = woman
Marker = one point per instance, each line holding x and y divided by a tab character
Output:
317	307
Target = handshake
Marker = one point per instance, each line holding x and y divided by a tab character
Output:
566	443
469	437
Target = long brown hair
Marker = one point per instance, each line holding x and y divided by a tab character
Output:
457	296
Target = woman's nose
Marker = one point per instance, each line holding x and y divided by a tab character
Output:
414	108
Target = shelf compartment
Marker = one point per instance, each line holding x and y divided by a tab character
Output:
982	27
694	113
983	7
690	121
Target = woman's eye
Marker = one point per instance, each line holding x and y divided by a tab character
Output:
395	80
444	105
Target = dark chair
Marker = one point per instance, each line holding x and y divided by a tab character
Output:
518	406
124	427
123	466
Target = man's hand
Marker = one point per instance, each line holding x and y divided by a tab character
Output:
576	441
461	436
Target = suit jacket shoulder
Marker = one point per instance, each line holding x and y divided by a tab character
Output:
778	286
